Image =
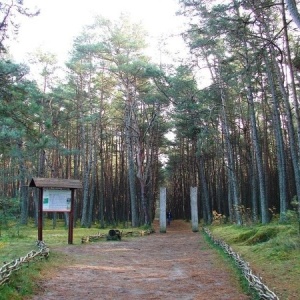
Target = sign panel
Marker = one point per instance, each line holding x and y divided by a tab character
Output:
56	200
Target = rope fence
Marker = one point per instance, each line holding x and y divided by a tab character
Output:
254	281
8	268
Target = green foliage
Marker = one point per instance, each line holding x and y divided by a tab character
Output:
9	215
18	109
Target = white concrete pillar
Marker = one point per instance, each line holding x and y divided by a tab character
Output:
194	209
157	209
163	210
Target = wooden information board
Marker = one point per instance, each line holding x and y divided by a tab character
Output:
56	195
56	200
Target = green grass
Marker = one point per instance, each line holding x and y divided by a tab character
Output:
16	241
21	283
272	250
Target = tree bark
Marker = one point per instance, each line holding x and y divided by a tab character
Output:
22	182
236	201
207	212
259	162
292	7
279	142
131	172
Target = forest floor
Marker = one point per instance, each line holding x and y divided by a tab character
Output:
176	265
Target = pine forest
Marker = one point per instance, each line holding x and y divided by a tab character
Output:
125	126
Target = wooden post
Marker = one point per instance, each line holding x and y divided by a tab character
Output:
71	219
40	215
194	209
163	211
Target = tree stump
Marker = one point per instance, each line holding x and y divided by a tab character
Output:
113	234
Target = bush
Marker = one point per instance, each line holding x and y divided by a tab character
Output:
9	213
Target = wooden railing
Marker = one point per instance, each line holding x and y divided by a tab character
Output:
8	268
254	281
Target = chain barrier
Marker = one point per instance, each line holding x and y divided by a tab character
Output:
8	268
254	281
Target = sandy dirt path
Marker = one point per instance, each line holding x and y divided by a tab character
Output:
174	265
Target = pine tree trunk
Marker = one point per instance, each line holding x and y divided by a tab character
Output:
86	195
87	157
101	186
292	7
236	201
92	193
207	213
294	147
22	184
131	172
264	212
295	100
281	165
263	201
